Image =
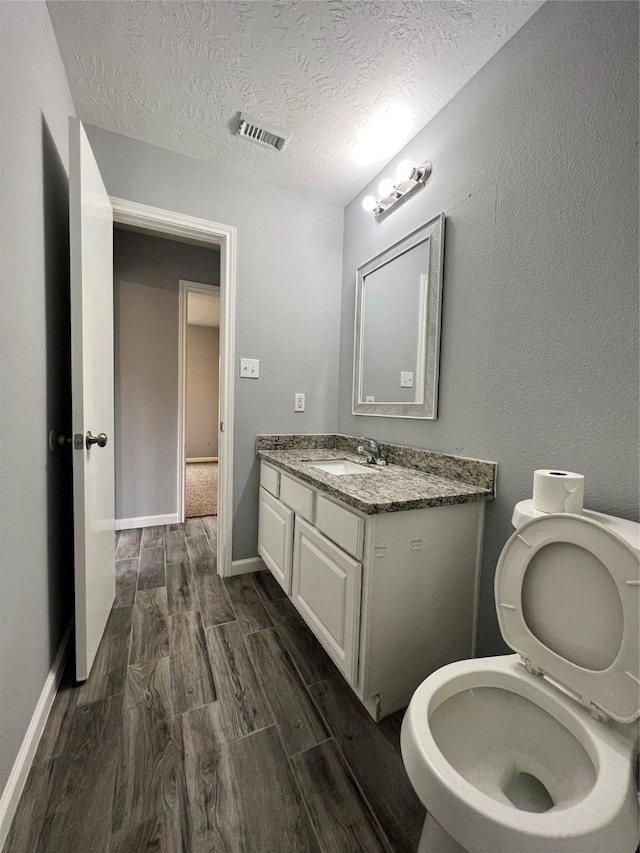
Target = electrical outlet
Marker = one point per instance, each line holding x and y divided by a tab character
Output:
249	368
406	379
298	403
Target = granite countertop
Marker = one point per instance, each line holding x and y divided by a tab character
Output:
391	488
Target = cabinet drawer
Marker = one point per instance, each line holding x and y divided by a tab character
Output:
270	479
340	524
326	589
296	496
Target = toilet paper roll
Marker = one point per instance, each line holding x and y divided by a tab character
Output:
558	491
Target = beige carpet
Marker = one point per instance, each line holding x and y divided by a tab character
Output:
201	489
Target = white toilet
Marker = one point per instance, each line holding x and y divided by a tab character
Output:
536	752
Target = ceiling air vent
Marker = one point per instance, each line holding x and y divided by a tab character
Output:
266	134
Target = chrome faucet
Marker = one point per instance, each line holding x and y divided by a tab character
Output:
371	450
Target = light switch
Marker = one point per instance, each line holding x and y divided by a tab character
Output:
298	403
249	368
406	379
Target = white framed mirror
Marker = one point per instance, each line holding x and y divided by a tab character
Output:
397	327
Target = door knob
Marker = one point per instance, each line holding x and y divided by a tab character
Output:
100	439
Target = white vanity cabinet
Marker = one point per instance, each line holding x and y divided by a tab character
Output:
391	597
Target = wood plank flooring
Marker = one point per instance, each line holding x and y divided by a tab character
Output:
212	722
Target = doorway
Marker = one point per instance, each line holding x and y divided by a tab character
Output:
188	229
198	451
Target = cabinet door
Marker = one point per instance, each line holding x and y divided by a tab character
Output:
326	589
275	538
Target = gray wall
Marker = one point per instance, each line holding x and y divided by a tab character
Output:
535	163
146	272
288	293
202	423
36	560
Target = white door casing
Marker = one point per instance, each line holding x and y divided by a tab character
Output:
184	289
170	224
91	245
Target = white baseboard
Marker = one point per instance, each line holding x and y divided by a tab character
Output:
146	521
202	459
243	567
24	759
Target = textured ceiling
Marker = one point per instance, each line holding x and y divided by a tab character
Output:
336	73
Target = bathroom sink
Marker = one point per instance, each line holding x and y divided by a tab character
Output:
341	467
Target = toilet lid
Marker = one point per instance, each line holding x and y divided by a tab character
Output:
568	598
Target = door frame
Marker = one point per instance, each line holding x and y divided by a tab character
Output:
190	229
184	289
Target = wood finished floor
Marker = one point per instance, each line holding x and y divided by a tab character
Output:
213	722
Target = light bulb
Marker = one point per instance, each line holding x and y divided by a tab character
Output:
386	187
404	171
369	203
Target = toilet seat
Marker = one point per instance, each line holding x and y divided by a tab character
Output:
567	597
605	818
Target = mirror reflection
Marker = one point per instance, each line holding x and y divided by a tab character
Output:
397	330
394	316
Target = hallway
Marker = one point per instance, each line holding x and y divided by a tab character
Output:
212	721
201	489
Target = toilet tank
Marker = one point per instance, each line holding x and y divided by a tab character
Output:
629	531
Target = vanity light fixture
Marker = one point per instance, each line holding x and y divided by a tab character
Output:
409	180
